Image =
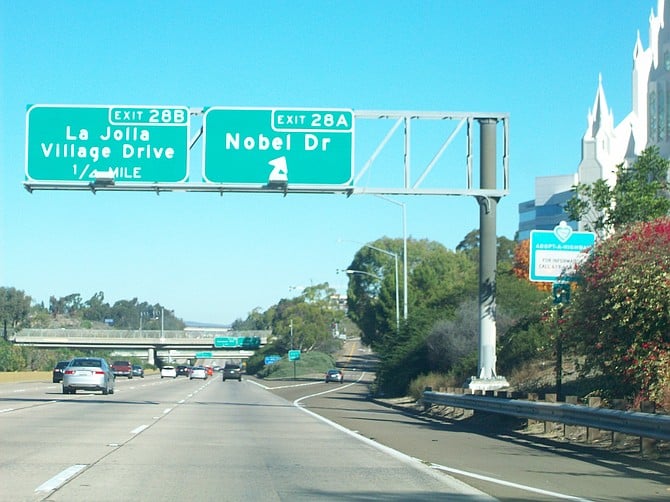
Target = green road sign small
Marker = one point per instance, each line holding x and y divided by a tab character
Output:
292	146
204	355
293	355
147	144
225	341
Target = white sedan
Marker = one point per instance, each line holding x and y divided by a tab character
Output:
198	372
168	371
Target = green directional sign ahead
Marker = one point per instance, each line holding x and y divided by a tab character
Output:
270	146
147	144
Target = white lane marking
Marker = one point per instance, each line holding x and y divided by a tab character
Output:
334	389
139	429
267	387
166	411
405	457
60	478
453	483
507	483
6	410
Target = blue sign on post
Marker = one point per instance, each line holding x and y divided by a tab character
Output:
272	359
555	254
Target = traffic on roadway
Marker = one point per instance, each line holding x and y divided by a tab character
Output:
294	439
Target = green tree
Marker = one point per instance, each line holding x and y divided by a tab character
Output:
443	329
14	307
619	317
96	309
305	322
639	194
70	305
504	248
257	319
438	279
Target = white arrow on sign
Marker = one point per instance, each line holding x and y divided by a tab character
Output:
103	176
279	173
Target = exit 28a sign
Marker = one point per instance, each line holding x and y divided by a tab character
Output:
296	146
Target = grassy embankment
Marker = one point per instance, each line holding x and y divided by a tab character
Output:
24	376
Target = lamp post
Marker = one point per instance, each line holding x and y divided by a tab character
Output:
404	252
162	324
291	327
397	284
397	294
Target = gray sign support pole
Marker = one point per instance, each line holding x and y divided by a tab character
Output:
487	378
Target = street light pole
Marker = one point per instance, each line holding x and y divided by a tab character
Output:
397	285
405	286
162	324
291	326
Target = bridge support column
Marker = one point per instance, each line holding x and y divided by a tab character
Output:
151	356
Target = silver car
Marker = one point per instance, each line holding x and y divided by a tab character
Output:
88	373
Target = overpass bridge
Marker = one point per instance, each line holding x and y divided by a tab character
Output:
217	343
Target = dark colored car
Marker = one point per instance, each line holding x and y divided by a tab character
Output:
122	368
334	375
183	370
58	371
232	371
138	370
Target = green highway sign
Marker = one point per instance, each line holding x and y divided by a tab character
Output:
225	341
73	143
293	355
278	146
203	355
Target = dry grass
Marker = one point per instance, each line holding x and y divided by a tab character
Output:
24	376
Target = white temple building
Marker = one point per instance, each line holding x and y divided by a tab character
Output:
605	144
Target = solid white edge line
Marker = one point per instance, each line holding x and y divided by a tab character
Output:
60	478
139	429
452	482
507	483
423	464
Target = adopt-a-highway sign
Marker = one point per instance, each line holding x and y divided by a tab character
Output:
554	254
291	146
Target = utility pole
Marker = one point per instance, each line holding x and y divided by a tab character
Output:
291	326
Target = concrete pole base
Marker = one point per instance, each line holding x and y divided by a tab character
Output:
493	383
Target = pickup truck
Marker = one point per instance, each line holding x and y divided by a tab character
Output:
122	368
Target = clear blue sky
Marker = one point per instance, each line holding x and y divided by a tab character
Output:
215	258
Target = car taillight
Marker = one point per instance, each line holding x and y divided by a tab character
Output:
69	372
99	372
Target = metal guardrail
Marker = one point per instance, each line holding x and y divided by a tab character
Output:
645	425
